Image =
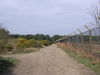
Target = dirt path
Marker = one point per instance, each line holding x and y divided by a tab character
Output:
49	61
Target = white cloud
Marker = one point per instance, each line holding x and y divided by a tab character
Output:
32	16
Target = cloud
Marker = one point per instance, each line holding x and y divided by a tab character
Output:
43	16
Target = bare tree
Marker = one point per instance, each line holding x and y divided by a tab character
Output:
95	13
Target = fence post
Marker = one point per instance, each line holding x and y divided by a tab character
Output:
75	40
90	40
70	40
90	37
81	38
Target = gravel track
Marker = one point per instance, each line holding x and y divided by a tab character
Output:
49	61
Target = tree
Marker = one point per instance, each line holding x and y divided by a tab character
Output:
28	37
95	13
14	35
56	37
4	36
39	37
47	37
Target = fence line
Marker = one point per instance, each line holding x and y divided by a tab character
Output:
88	41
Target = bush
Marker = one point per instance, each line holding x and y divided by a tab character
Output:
8	47
6	64
44	42
4	36
34	43
31	42
21	43
24	43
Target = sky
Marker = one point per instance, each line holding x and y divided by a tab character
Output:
44	16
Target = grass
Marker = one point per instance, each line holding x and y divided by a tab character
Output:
6	64
85	61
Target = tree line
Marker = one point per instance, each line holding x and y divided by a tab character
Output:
37	37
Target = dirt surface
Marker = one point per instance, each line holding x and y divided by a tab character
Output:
49	61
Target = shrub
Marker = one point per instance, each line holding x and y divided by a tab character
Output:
44	42
6	64
34	43
4	36
8	47
31	42
23	43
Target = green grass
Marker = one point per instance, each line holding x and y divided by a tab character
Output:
6	64
85	61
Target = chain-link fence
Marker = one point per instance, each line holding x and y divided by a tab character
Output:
88	41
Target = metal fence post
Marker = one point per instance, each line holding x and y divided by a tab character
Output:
90	37
82	41
90	40
81	38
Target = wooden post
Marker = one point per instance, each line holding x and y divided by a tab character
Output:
71	41
82	41
75	40
90	40
90	37
81	38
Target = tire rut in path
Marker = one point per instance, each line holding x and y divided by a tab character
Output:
49	61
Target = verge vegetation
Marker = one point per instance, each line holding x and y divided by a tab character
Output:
86	59
6	64
16	43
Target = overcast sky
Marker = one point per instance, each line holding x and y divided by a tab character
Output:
44	16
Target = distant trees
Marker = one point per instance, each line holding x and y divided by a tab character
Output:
40	37
29	36
21	36
56	37
37	37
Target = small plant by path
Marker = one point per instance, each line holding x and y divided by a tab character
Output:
6	64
